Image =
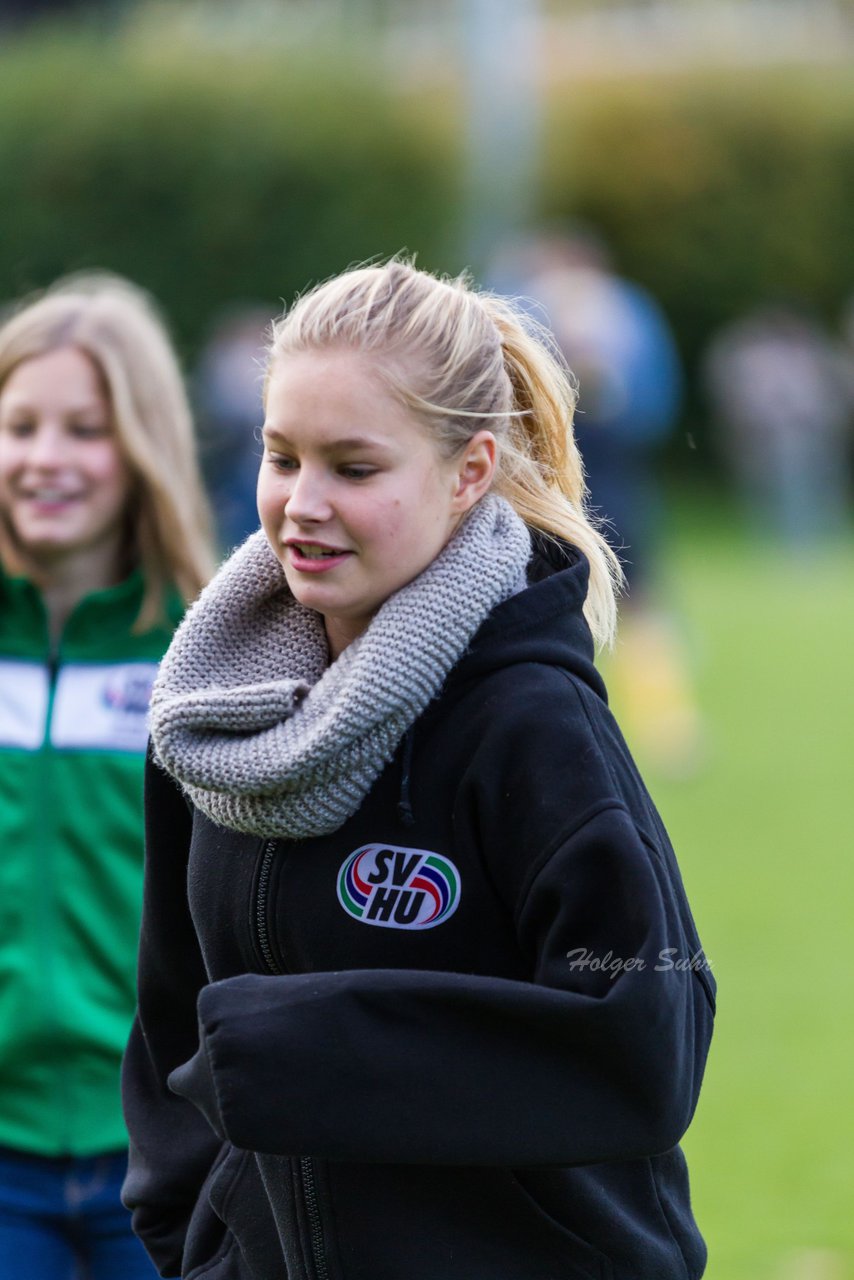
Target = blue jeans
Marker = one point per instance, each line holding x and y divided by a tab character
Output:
61	1219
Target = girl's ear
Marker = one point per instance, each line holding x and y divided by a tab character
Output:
474	471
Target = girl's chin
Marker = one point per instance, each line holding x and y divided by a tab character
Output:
55	546
33	544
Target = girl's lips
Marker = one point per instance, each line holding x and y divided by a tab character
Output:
314	564
48	506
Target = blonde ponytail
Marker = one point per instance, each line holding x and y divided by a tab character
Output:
540	469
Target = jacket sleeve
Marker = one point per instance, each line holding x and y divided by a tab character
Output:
589	1061
171	1145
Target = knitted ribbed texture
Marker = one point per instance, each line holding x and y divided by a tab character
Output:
262	734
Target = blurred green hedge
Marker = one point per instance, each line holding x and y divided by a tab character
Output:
206	178
212	176
716	192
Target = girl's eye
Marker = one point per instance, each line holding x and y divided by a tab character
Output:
89	431
20	429
282	464
357	472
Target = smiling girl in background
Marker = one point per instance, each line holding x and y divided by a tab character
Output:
362	1050
103	538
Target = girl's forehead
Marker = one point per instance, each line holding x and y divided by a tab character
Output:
318	363
66	376
341	388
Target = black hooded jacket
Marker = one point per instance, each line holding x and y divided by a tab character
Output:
461	1036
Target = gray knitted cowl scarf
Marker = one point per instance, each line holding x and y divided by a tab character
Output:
262	734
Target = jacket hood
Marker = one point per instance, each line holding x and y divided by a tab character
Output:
544	623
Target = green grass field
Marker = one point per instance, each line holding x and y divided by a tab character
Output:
764	836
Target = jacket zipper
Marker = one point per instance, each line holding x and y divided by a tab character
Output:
309	1187
306	1164
63	1079
261	907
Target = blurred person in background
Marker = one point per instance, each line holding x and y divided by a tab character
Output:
620	348
228	385
782	395
103	540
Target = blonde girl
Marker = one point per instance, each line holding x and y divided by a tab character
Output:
442	1010
103	540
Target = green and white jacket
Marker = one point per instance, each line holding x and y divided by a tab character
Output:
73	732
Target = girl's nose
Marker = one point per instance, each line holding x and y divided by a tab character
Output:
49	448
45	447
308	501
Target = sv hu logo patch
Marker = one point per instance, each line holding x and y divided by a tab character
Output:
398	888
